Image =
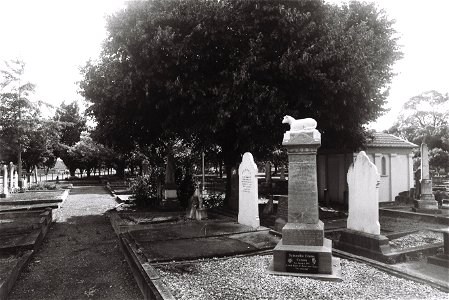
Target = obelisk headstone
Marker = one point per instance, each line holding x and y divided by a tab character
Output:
362	236
248	192
426	203
303	250
170	199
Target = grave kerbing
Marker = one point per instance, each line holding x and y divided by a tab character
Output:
303	250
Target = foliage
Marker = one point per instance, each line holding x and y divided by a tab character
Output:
425	118
143	190
223	73
213	200
439	159
43	186
22	128
71	121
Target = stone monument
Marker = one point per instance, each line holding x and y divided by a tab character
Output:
303	250
248	192
16	180
426	202
170	194
5	192
11	176
362	236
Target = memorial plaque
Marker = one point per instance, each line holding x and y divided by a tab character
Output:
301	262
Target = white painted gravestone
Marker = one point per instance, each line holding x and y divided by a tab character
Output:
248	192
362	237
363	183
5	192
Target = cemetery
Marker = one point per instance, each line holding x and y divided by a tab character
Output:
224	151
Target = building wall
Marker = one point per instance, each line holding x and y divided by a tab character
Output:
394	165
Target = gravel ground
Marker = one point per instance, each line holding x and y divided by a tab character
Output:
245	278
80	257
420	238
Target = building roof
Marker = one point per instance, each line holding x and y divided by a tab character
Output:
386	140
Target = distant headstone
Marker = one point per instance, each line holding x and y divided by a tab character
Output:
282	173
145	167
11	176
5	192
363	183
268	172
16	179
248	192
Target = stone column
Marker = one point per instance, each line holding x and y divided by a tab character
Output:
5	192
303	250
427	202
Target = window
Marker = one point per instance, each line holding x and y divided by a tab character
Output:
384	166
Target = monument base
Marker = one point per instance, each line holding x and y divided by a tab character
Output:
441	260
201	214
426	206
364	244
305	261
170	200
3	195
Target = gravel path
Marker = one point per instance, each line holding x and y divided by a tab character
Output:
245	278
80	257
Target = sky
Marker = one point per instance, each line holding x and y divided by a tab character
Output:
56	38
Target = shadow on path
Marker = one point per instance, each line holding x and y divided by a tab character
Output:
80	257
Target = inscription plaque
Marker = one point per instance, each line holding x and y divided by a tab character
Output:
247	182
301	262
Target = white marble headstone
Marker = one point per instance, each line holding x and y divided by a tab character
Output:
363	183
248	192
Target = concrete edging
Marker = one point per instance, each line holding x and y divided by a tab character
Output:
146	276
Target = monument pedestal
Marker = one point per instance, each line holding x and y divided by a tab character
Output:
303	250
170	200
427	202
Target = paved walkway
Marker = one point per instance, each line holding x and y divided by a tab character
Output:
80	257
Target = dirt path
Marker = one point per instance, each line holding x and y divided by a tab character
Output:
80	257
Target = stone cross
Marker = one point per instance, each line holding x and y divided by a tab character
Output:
425	174
248	192
363	183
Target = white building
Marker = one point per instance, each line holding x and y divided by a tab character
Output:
394	161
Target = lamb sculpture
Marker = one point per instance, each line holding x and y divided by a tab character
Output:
300	124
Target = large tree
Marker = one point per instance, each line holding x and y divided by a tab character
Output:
24	134
223	73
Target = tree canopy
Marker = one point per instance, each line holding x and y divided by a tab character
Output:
224	73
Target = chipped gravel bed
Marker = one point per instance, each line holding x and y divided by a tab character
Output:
245	278
396	224
420	238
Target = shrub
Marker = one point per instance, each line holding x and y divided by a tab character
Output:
42	186
143	191
213	200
